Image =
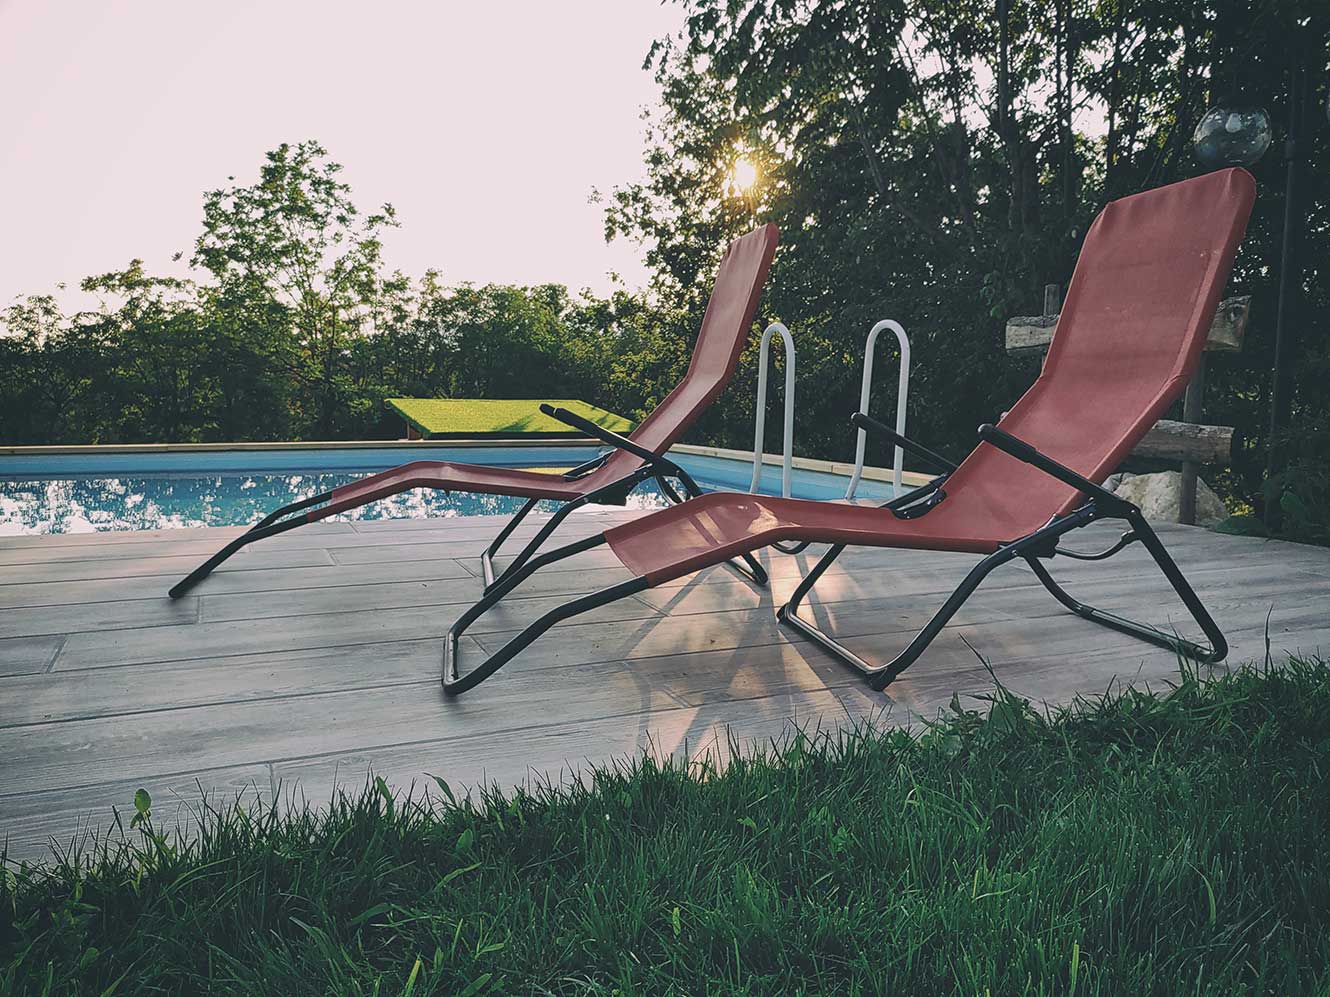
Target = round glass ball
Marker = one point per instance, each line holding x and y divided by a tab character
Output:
1232	136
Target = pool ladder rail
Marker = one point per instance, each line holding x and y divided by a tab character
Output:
865	395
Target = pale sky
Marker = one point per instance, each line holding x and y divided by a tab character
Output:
485	124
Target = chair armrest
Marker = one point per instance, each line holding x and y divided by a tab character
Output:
582	470
862	421
1022	451
599	432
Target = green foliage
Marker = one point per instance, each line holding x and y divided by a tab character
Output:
1300	492
481	416
294	331
296	242
916	173
1118	846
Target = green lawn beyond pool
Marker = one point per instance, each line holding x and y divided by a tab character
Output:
435	417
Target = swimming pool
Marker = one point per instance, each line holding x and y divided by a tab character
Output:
96	489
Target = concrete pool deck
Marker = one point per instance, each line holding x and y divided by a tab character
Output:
313	656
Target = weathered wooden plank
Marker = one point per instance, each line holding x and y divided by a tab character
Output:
563	753
225	735
204	542
1031	335
579	642
324	532
536	755
1090	672
751	672
25	655
32	823
467	539
441	543
339	599
1123	575
462	550
487	527
172	643
236	679
122	538
147	543
73	569
1170	440
424	591
287	672
53	553
97	617
226	582
472	760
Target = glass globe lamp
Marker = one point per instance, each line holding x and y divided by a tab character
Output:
1232	134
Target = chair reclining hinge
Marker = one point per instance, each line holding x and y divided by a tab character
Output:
922	508
1116	508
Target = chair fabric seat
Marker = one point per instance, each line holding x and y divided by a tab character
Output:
448	476
717	527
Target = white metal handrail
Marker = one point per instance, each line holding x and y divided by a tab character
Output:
761	420
902	392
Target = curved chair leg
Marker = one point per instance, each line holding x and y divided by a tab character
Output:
530	549
1218	648
270	525
880	676
487	555
455	683
615	493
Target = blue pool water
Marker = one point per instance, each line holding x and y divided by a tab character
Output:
87	492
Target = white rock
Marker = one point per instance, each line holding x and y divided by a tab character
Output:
1158	496
1114	480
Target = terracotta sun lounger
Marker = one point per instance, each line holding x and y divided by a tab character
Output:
609	478
1129	338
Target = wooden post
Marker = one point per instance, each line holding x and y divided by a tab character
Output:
1191	412
1186	441
1052	299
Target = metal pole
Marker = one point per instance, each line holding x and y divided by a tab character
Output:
1191	412
760	420
866	391
1289	281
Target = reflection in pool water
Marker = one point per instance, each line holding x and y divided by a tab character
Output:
150	502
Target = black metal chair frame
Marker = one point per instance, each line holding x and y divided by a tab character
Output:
657	467
1040	545
616	493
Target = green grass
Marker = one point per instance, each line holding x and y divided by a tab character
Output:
501	417
1136	844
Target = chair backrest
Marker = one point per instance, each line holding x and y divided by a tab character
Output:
1129	338
725	327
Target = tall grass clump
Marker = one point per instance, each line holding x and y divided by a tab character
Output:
1135	843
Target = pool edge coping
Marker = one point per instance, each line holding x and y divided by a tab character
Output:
838	468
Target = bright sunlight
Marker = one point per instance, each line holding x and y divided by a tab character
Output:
743	175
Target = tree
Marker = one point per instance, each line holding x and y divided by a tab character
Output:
938	162
162	383
294	246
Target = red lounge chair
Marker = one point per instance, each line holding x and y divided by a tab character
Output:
607	479
1131	333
